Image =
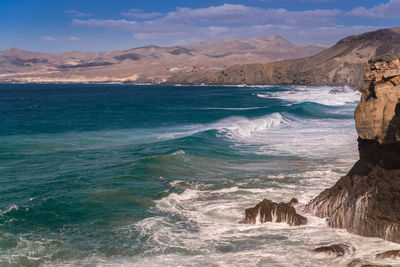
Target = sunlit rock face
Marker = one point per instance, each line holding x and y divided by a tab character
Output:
375	116
367	200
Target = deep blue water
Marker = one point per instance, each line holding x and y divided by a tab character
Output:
160	175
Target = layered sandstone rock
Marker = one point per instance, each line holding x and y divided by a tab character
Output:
269	211
380	94
367	200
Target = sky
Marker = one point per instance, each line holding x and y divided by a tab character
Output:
56	26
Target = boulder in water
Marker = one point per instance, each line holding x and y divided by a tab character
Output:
392	254
335	249
363	263
269	211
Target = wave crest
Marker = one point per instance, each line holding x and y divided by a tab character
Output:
245	128
324	95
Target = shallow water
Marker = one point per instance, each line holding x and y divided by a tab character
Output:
105	175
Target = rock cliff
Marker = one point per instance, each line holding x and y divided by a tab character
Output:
367	200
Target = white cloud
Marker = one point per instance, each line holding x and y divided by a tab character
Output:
316	1
107	23
48	38
138	13
187	25
75	13
74	38
231	15
388	10
53	39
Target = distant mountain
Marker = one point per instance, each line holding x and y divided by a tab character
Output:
153	64
341	64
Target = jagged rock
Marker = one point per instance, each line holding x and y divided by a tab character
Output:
380	96
362	263
367	200
389	254
335	91
336	249
269	211
365	205
375	265
293	202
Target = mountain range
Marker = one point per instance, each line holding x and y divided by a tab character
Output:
149	64
341	64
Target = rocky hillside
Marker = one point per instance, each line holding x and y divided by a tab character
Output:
341	64
152	64
367	200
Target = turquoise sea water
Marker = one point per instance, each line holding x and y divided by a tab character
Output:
105	175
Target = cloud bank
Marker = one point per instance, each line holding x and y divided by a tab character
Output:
227	21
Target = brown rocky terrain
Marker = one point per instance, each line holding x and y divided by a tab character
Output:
150	64
367	200
341	64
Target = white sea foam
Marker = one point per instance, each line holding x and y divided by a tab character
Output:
238	128
11	208
222	108
199	225
325	95
275	134
210	231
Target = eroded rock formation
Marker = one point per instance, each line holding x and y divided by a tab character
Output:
269	211
367	200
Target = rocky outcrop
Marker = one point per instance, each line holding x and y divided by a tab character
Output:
391	254
380	95
269	211
337	250
341	64
367	200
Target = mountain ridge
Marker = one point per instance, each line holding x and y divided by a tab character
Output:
151	64
341	64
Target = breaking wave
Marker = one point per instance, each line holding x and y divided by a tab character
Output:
325	95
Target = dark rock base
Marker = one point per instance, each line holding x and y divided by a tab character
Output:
336	249
268	211
391	254
367	205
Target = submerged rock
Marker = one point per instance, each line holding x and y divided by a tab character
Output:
269	211
392	254
335	249
363	263
367	200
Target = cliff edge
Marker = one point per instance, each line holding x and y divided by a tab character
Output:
367	200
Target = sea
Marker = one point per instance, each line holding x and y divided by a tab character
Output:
160	175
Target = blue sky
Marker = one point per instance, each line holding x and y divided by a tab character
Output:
99	25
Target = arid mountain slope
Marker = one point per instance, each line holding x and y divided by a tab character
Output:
340	64
144	64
